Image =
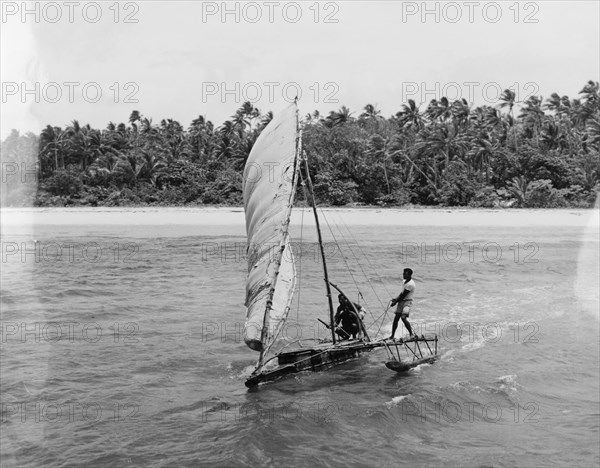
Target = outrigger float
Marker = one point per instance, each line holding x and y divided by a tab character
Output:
271	280
416	356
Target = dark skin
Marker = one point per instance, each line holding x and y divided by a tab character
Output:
345	316
407	277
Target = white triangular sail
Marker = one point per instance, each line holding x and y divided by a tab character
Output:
269	184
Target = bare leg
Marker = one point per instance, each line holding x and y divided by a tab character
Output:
395	324
407	325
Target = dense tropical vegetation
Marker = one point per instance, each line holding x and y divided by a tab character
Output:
538	153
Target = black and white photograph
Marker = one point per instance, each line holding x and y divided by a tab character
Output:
300	233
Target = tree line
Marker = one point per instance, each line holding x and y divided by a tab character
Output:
536	153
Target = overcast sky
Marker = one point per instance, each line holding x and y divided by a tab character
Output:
183	59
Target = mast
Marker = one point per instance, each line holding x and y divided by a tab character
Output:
314	205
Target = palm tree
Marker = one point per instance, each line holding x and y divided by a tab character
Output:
377	151
592	130
241	119
78	143
135	117
508	99
460	111
146	127
370	113
226	148
561	106
552	135
117	137
524	190
444	140
493	122
439	110
265	119
174	140
201	136
439	146
555	104
532	116
104	166
409	116
53	141
481	153
591	96
152	167
339	118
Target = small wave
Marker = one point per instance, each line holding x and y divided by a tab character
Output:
505	386
420	367
76	292
396	401
508	382
246	371
448	355
479	343
466	386
136	268
212	405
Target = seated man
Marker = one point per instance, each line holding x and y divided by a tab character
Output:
346	322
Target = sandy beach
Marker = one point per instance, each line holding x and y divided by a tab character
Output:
227	216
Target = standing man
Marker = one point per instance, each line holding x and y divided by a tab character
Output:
404	301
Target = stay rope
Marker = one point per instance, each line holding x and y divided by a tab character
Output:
384	316
300	260
337	245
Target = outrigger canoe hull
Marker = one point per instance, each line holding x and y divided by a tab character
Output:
328	355
311	359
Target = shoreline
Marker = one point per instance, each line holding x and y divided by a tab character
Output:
232	215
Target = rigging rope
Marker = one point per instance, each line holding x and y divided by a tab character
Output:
337	245
384	315
356	258
344	257
363	254
300	261
374	320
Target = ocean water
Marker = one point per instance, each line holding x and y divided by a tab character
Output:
122	346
